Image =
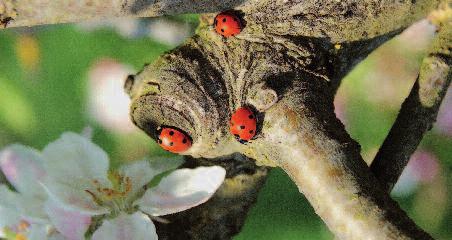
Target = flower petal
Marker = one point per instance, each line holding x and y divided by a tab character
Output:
131	227
73	157
75	197
23	167
139	173
9	214
143	171
71	224
181	190
32	208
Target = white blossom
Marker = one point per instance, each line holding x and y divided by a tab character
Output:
79	179
27	212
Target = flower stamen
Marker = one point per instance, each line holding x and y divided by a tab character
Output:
113	197
23	226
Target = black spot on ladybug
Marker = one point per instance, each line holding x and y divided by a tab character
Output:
250	116
243	141
224	19
251	131
171	143
242	127
184	141
171	133
222	30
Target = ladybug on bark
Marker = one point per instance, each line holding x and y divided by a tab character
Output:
227	24
243	125
173	140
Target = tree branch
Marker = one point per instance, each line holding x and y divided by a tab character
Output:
314	149
337	21
288	48
19	13
320	19
224	214
197	86
418	112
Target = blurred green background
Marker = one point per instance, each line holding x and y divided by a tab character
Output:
67	77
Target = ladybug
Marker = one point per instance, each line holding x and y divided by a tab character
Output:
173	140
243	125
227	24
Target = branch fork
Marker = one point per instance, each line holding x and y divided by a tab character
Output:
288	65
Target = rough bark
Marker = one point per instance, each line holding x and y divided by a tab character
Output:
290	79
286	64
321	19
19	13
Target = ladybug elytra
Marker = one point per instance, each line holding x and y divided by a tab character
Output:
243	125
173	140
227	24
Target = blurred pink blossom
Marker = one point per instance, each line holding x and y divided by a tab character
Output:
169	32
127	27
108	103
425	166
422	168
340	108
418	36
396	65
161	29
444	120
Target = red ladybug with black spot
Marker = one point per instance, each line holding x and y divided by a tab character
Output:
243	125
227	24
173	140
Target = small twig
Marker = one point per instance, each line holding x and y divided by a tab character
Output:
417	113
